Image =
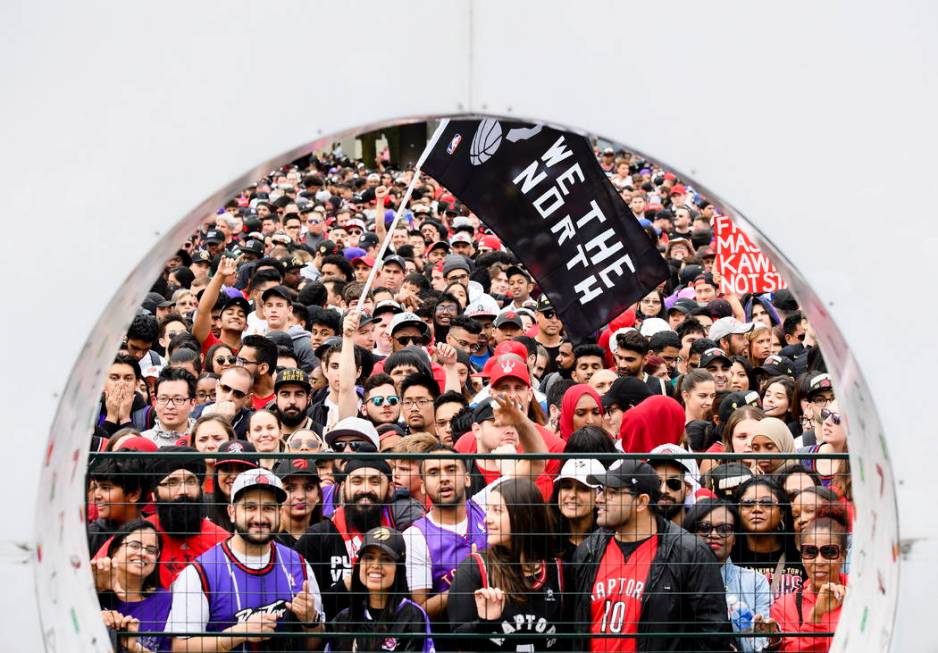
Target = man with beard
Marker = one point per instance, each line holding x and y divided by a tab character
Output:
639	573
674	475
185	532
291	390
438	542
248	583
331	545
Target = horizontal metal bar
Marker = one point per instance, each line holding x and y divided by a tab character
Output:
381	455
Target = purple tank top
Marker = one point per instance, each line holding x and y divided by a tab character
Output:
448	549
236	592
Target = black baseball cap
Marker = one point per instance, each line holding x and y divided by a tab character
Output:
235	447
279	291
723	480
626	392
292	263
484	411
386	539
683	305
543	304
397	260
368	239
295	467
517	269
784	300
238	301
819	382
735	400
201	257
634	475
252	246
294	376
213	236
712	354
776	365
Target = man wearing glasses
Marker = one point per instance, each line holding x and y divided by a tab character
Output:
175	390
465	334
456	269
232	399
408	330
639	574
418	393
549	333
184	530
313	216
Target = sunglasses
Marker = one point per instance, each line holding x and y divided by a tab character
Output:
237	394
549	315
828	551
404	341
673	484
834	417
705	528
393	400
353	446
308	443
221	360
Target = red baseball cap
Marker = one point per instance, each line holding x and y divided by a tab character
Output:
511	347
678	188
490	242
367	260
507	366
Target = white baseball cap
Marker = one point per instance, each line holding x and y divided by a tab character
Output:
613	339
258	477
354	426
580	469
653	325
726	326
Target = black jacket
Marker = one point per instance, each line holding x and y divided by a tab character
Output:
684	593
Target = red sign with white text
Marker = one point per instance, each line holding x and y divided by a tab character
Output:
744	267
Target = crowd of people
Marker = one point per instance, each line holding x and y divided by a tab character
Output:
410	522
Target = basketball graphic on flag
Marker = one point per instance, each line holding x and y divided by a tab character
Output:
485	143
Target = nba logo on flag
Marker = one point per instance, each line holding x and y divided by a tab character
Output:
453	144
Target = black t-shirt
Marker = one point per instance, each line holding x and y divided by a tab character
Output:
628	548
543	614
551	358
323	547
767	563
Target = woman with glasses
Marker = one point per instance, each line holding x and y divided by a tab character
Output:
205	388
651	305
219	358
306	441
765	541
128	585
815	607
447	307
747	591
833	440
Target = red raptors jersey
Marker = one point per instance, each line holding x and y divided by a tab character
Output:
617	595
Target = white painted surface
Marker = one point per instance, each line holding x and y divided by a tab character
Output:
122	119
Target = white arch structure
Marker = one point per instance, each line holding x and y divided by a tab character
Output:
125	122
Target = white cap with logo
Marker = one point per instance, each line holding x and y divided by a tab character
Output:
580	469
258	477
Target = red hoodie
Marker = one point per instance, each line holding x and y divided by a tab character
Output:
657	420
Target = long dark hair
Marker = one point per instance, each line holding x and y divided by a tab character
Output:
561	522
590	440
532	538
386	620
152	581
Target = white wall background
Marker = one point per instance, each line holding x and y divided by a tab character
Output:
122	123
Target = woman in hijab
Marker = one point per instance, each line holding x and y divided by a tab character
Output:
581	406
771	436
657	420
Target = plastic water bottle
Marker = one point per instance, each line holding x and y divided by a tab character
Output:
739	614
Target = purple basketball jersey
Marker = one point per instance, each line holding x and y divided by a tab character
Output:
448	549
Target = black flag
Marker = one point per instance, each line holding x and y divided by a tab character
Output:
543	193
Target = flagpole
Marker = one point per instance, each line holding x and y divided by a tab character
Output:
397	214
